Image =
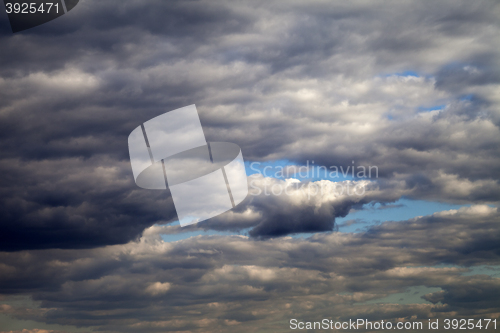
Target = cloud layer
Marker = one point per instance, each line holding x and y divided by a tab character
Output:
333	83
228	283
409	87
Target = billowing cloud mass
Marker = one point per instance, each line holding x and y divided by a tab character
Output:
235	283
410	87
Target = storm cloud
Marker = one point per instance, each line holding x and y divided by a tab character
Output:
325	82
409	87
223	283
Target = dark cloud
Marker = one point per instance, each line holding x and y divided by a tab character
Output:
223	283
323	82
277	208
95	203
409	87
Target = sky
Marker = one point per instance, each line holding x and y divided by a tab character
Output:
408	88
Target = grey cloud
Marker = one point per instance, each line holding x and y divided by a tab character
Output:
277	208
94	204
466	297
297	82
329	82
209	282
